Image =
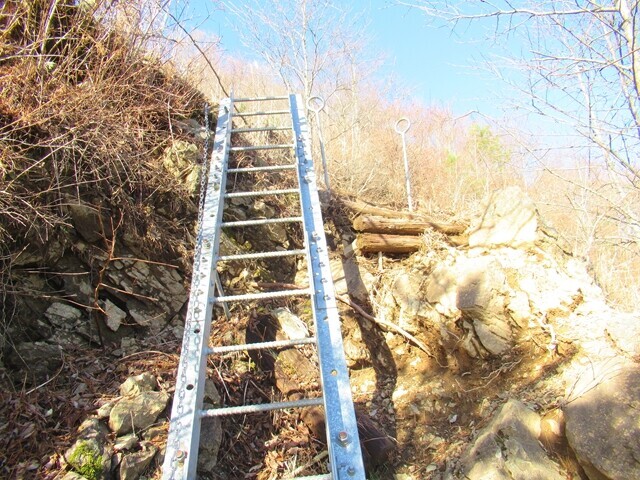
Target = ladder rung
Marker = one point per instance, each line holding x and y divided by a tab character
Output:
257	255
268	112
262	221
323	476
263	295
268	168
262	407
261	99
259	129
261	147
261	345
261	193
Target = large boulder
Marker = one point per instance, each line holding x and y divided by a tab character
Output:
509	219
508	448
603	426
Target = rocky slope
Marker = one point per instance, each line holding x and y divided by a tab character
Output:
529	374
499	358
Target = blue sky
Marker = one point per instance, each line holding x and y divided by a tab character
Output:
435	65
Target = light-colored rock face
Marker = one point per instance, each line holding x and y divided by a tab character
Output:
349	279
508	448
160	290
603	426
495	294
145	382
292	326
509	219
137	412
181	160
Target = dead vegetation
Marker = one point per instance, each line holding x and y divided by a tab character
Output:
85	118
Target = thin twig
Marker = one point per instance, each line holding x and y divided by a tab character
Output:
384	323
358	309
313	461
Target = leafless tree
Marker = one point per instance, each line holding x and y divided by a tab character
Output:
311	45
581	67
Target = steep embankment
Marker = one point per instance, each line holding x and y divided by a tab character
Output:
521	370
97	209
527	373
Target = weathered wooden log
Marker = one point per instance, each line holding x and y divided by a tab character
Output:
370	218
378	242
401	226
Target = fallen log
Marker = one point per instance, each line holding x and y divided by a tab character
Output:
401	226
378	242
374	213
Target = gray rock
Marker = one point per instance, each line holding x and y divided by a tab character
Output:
161	283
134	464
210	430
602	427
181	160
277	233
292	327
260	209
145	382
40	359
349	279
114	315
510	219
88	455
442	291
126	442
73	476
210	439
86	220
78	284
93	428
63	316
211	394
137	412
508	449
154	432
480	299
406	291
72	326
104	410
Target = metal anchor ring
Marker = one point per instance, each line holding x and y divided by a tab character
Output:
399	125
319	104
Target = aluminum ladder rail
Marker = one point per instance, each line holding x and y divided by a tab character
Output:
345	457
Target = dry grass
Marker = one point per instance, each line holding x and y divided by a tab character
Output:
83	117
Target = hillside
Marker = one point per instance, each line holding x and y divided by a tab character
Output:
489	352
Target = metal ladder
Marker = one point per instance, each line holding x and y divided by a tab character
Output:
345	458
